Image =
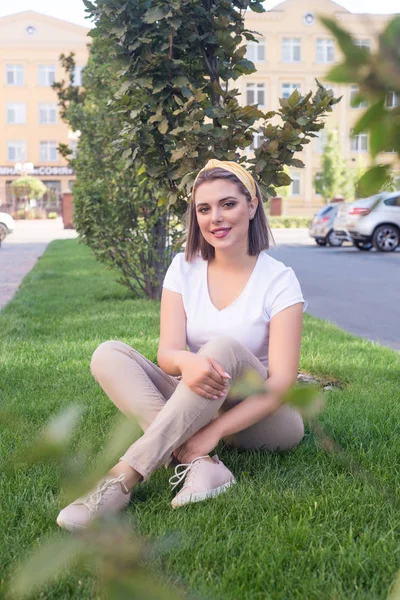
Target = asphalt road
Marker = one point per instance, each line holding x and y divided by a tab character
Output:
358	291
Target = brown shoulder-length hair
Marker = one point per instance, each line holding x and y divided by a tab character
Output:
259	235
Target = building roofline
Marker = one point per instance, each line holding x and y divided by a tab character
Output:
341	10
50	17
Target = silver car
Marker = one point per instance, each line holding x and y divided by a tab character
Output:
321	226
373	221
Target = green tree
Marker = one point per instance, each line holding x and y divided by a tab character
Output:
332	178
177	63
117	211
30	188
357	172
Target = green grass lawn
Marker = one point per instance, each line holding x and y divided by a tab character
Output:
300	525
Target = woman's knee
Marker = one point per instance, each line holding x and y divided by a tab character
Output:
219	345
296	431
289	430
104	354
282	431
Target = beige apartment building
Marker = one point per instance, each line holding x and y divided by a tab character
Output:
30	125
295	48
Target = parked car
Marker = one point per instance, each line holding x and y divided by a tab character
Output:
321	226
7	225
339	224
371	222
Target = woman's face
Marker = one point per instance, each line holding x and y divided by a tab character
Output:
219	204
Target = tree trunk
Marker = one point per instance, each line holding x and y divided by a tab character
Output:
157	257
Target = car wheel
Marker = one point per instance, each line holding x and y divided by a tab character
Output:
3	232
386	238
363	245
333	239
320	242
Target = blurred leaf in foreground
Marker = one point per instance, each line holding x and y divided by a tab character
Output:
307	398
123	434
118	556
374	180
377	76
52	442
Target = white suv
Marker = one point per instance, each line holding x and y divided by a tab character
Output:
373	221
6	225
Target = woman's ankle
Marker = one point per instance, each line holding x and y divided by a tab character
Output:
132	477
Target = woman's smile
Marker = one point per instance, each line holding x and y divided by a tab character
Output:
221	233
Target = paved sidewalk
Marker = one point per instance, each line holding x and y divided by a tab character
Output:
292	237
21	249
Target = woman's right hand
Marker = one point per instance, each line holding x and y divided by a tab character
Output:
204	376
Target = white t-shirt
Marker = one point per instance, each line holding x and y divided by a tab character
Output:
271	288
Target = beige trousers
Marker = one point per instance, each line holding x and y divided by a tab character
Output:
169	412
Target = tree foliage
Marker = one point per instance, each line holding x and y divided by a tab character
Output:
177	63
377	74
29	187
332	178
117	211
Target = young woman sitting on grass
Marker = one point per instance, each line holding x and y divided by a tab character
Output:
234	307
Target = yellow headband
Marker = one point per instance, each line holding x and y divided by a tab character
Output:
234	168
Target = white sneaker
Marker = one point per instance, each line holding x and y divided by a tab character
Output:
107	498
204	480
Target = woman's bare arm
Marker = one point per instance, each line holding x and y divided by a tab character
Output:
172	345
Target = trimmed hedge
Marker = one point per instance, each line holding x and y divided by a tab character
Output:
290	222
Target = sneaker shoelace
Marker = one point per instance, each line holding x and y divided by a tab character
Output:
188	468
93	499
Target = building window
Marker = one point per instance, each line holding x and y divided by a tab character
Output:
47	114
256	51
320	141
258	139
16	151
392	100
16	114
354	91
295	185
288	88
291	50
47	75
359	143
15	74
77	76
52	197
255	94
363	43
325	51
71	183
48	151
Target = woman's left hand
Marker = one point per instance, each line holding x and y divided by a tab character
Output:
200	444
